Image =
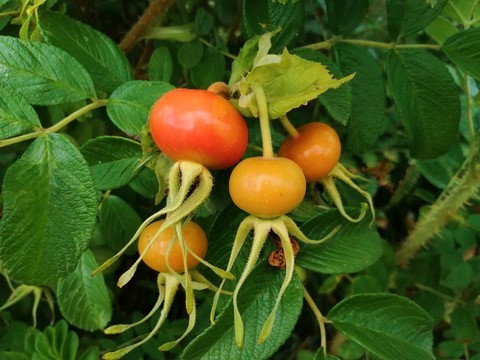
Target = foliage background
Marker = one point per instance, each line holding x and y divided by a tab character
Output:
74	188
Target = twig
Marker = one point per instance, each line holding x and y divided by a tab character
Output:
156	7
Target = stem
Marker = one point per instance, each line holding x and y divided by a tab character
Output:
156	8
320	319
468	105
327	44
224	53
264	120
58	126
437	293
288	126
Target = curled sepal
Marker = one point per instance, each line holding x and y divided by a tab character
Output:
341	173
169	285
242	232
189	185
283	227
295	231
119	328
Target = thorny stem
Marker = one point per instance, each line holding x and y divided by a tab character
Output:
288	126
58	126
464	185
322	320
264	120
327	44
156	8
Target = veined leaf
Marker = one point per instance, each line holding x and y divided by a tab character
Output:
50	206
118	221
368	97
54	343
16	115
345	15
288	82
101	57
160	67
427	100
113	160
463	49
261	16
130	104
43	74
338	102
353	248
406	17
389	326
83	299
255	301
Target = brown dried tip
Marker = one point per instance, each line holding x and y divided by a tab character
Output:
220	88
277	257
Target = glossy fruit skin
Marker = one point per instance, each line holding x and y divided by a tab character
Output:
267	187
155	257
199	126
316	150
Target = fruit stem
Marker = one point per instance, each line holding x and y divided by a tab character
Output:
264	120
58	126
320	319
288	126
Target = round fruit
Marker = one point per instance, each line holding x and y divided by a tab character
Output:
200	126
267	187
316	150
155	257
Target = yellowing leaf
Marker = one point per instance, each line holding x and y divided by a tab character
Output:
288	84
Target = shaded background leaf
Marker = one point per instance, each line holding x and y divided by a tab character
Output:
130	104
427	100
83	299
101	57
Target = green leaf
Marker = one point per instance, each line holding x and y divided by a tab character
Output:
118	221
427	100
190	54
255	301
439	171
262	16
407	17
160	66
83	299
461	10
345	15
54	343
353	248
389	326
441	29
101	57
368	97
130	104
204	22
49	213
288	82
210	69
114	160
16	115
456	273
145	183
463	49
43	74
338	102
244	61
13	355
